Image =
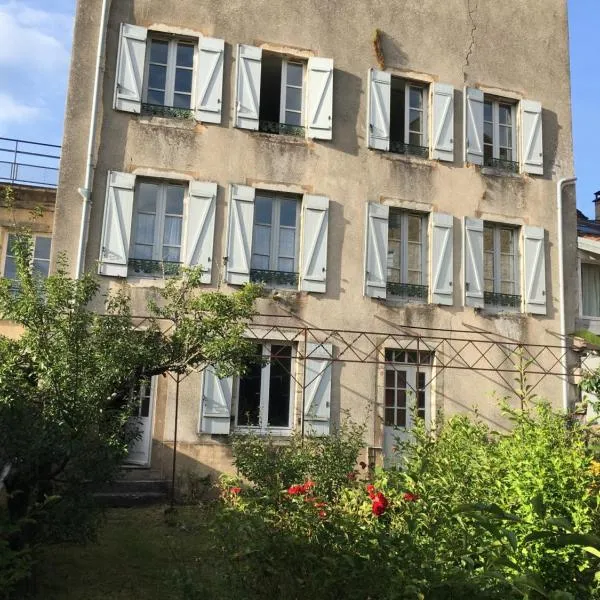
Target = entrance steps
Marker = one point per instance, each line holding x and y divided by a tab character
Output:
135	487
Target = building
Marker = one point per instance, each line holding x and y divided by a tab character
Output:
388	169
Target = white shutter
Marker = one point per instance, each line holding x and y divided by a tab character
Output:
376	250
209	89
443	122
442	264
473	257
247	105
315	211
317	382
116	228
378	109
532	145
474	126
215	413
534	258
200	227
131	60
320	98
239	243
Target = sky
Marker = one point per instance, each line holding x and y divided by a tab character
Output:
34	60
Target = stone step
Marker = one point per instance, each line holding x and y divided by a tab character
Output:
133	492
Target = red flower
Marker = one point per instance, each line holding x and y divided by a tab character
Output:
235	490
371	490
320	504
410	497
322	514
379	497
378	508
308	485
295	489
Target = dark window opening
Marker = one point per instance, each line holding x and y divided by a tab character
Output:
270	88
279	386
397	110
249	395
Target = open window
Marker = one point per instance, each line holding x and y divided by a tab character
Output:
409	117
499	134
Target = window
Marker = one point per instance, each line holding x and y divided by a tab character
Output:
275	240
590	290
499	136
501	274
265	392
41	256
407	255
170	68
281	95
157	228
408	117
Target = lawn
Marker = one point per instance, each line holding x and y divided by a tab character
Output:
136	555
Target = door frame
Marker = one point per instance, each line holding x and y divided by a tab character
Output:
148	457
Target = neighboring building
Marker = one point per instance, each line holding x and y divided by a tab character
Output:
401	183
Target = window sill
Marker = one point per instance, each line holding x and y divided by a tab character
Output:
495	172
502	312
170	122
406	158
276	432
282	138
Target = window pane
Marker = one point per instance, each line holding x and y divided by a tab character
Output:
293	98
263	208
415	120
144	229
390	377
507	268
488	133
293	118
395	225
390	394
415	278
505	154
175	195
286	264
249	396
262	239
288	213
185	55
416	139
414	257
590	282
507	287
146	197
488	271
287	243
504	114
294	74
142	252
506	241
488	239
394	257
414	228
10	268
182	101
416	97
159	51
487	111
42	267
401	417
488	153
171	254
172	231
401	381
157	77
260	262
389	417
183	80
505	137
156	97
42	247
279	386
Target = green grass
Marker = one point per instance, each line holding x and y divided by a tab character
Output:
135	557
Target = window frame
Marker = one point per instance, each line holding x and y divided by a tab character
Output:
497	281
285	61
582	313
495	103
35	236
425	89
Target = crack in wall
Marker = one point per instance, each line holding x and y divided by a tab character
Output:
471	11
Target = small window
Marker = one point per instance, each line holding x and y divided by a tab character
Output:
275	238
408	117
501	271
157	228
41	256
407	255
499	135
265	393
282	95
169	77
590	290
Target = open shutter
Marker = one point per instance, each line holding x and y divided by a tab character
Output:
317	403
239	243
209	89
442	264
315	211
320	98
474	126
376	250
532	145
116	228
473	257
131	59
378	110
215	414
443	122
247	105
200	227
534	258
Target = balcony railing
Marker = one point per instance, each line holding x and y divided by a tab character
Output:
29	163
408	291
172	112
142	266
509	166
281	128
287	278
502	300
411	149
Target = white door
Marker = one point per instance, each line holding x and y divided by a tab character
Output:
139	449
407	397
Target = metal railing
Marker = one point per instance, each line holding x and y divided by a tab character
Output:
172	112
408	291
143	266
502	300
269	278
510	166
410	149
281	128
29	163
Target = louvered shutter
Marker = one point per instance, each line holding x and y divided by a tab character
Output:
116	228
320	98
215	415
131	59
200	227
376	250
317	402
443	122
474	126
534	258
532	145
209	88
473	262
442	264
247	106
315	211
239	244
378	110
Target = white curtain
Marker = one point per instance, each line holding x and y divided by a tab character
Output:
590	289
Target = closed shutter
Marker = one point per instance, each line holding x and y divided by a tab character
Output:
473	257
131	60
534	258
116	228
247	105
442	264
239	243
378	110
317	382
443	122
320	98
474	126
313	276
209	89
200	227
532	145
376	250
215	414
